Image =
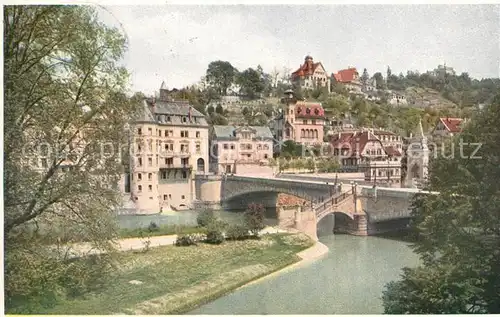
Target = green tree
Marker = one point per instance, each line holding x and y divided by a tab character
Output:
219	109
217	119
379	79
221	75
457	232
254	218
364	78
310	164
251	82
64	103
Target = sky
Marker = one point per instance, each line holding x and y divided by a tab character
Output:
175	43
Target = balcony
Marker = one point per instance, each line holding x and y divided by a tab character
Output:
175	166
183	154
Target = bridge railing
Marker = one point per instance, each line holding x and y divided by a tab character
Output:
332	201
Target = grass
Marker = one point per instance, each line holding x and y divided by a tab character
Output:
159	231
176	280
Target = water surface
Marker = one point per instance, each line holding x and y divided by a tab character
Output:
349	280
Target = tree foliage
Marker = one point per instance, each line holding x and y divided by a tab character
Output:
220	76
65	118
254	218
252	82
457	231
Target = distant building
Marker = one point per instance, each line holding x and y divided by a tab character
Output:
442	71
301	121
376	153
448	127
397	99
349	78
235	148
311	75
170	144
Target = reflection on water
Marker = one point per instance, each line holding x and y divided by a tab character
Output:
349	280
187	218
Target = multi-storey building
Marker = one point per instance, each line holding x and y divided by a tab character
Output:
169	143
376	154
301	121
311	75
240	149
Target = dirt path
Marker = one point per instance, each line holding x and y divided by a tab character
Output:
140	243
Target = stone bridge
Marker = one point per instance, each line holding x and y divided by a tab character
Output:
235	192
353	209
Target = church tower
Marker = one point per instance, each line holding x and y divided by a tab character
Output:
417	159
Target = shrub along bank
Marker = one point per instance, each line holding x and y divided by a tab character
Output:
174	280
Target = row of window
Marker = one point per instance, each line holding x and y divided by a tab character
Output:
308	134
168	133
169	146
245	146
226	157
165	197
163	174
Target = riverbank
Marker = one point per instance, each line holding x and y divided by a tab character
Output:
172	280
317	251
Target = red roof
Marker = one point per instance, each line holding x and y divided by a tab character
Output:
346	75
452	124
355	142
309	110
306	69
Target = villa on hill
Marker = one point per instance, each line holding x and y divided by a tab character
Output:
311	75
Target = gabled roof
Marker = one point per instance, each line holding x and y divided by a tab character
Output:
306	68
452	124
304	109
346	75
356	142
227	131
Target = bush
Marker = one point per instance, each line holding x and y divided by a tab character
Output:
205	217
254	218
153	227
215	237
215	231
237	232
186	240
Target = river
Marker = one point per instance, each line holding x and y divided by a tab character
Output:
349	280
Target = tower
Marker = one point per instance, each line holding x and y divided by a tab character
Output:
417	158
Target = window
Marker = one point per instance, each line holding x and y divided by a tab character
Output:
163	175
169	196
139	176
183	197
165	197
259	146
169	161
151	198
198	134
198	147
184	119
313	122
225	146
150	187
168	119
304	121
265	156
266	146
184	174
139	188
184	134
139	148
150	131
232	146
150	161
139	131
150	176
159	132
184	147
139	161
